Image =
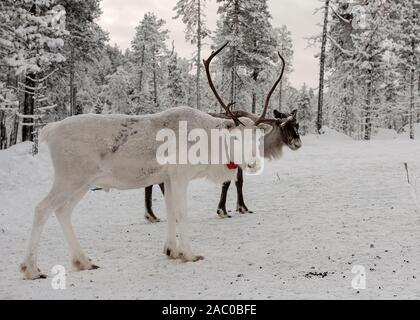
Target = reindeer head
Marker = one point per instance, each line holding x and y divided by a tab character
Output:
289	128
245	144
253	159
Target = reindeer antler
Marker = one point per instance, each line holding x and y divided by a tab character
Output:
267	100
219	99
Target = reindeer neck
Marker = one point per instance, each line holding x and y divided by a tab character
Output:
273	143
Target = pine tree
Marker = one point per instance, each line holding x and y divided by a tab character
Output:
408	41
341	87
368	60
176	84
285	47
253	47
231	27
305	112
362	64
84	42
192	15
149	51
322	64
117	92
37	41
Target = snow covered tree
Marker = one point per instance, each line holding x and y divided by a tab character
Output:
8	109
365	68
33	47
322	64
305	110
192	15
341	114
149	51
117	92
229	28
368	60
176	85
285	47
253	46
84	42
8	16
407	29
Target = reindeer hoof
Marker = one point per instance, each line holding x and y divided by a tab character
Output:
31	273
190	257
243	210
151	218
84	264
170	251
223	214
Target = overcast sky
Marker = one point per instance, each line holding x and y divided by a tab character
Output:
120	17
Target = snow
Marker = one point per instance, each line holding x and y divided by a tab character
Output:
329	134
385	134
319	211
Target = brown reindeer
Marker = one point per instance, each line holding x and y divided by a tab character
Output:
285	132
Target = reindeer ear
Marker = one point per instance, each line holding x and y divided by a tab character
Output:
265	127
294	113
229	125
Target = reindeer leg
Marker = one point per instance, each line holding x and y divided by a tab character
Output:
240	205
221	208
170	248
57	197
149	215
29	267
79	259
179	192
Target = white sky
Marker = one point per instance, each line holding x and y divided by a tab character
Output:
121	16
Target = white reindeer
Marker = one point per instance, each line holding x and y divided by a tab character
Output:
119	151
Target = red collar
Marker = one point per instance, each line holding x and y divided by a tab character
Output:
232	166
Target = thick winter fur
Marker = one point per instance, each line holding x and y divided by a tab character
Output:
274	141
119	151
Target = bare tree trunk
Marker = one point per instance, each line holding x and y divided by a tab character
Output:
155	93
418	93
198	86
322	66
14	133
233	92
74	93
233	79
254	102
223	82
28	106
255	75
368	120
71	84
141	69
3	134
28	103
36	120
412	104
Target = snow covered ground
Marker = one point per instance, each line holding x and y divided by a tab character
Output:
320	211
